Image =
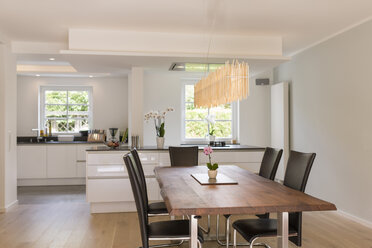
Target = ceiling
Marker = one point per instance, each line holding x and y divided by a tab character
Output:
299	22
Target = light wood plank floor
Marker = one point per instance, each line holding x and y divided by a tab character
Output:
59	217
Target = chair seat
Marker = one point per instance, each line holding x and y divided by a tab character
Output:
157	208
250	229
172	229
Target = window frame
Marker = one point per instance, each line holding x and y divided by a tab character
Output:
234	118
42	104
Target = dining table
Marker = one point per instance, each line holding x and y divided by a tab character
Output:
250	194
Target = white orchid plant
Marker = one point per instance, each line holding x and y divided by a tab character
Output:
210	119
159	120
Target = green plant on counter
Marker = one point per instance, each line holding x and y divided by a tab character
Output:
212	166
161	131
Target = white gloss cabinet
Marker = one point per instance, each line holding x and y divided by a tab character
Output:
108	186
61	161
31	162
51	164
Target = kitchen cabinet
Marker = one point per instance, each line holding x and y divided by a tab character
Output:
61	161
31	162
108	186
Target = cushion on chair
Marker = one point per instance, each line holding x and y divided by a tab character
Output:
172	229
250	229
157	208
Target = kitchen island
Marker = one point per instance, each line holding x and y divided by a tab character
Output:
108	185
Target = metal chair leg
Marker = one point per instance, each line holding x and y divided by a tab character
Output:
227	244
234	244
208	230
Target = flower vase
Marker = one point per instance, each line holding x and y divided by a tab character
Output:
212	174
160	142
212	138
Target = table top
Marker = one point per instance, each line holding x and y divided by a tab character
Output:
253	194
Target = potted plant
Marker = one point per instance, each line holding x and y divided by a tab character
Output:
159	120
210	120
212	167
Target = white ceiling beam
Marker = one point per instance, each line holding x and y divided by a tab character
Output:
155	43
25	47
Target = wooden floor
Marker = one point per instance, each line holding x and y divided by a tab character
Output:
59	217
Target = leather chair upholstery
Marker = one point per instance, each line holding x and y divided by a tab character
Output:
269	167
163	229
296	177
184	156
270	163
156	208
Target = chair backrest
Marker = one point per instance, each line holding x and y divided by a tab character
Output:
138	197
298	169
184	156
296	175
141	174
270	162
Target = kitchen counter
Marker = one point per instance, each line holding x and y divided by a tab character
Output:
58	143
32	140
154	148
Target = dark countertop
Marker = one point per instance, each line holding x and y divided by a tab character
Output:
32	140
154	148
57	143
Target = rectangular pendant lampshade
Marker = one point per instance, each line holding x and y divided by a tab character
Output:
227	84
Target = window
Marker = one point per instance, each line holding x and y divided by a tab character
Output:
69	109
194	124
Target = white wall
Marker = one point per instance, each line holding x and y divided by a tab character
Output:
255	114
110	101
8	124
163	89
331	114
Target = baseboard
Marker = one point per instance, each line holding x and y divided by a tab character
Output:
9	206
355	218
51	181
13	204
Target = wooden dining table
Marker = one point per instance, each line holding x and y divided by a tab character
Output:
184	195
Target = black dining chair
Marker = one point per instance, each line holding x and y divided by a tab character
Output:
268	169
187	156
154	208
161	230
184	155
296	176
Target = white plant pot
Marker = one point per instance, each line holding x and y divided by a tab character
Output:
160	142
212	138
212	174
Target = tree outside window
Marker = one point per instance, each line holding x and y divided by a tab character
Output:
68	110
196	126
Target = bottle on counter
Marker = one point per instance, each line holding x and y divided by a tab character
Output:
50	128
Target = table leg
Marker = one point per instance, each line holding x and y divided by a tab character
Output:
282	232
193	232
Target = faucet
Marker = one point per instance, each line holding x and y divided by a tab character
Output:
39	138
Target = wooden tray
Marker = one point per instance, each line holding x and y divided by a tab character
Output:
221	179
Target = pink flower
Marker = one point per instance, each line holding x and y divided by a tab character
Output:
208	150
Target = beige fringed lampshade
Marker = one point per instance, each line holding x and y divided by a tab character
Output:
225	85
